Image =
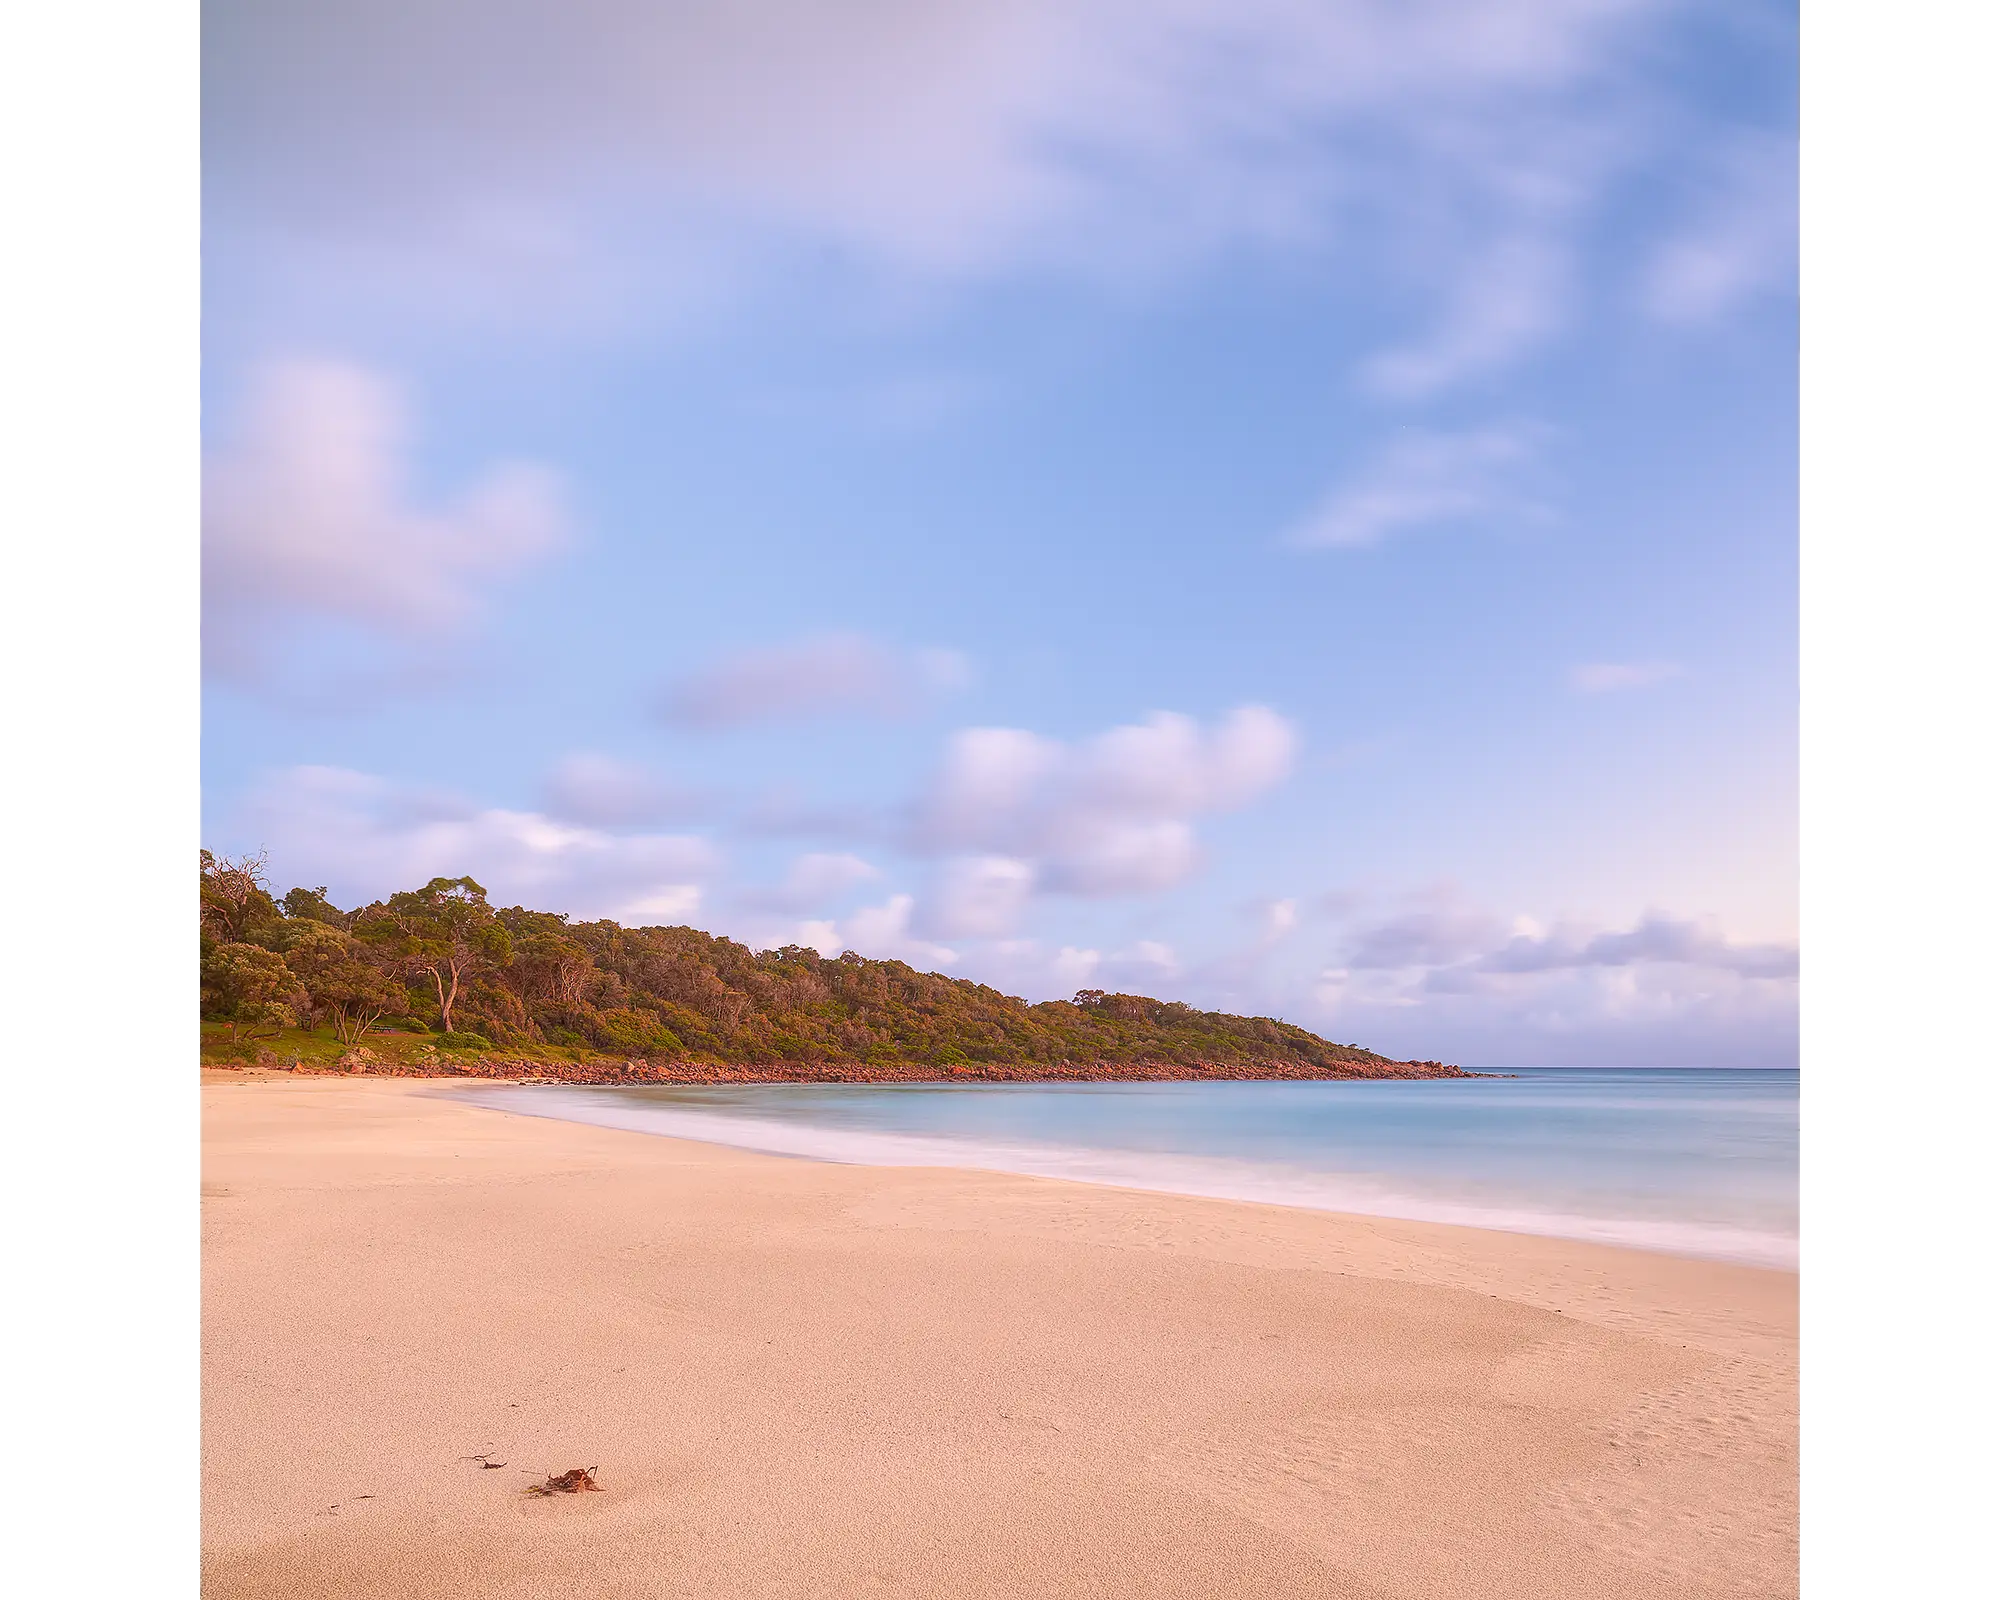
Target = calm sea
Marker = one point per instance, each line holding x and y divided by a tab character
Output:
1694	1161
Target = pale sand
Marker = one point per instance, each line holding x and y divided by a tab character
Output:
802	1379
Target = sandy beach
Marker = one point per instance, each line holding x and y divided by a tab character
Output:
802	1379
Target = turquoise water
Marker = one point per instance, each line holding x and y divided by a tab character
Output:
1692	1161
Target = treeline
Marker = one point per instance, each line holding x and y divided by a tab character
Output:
441	961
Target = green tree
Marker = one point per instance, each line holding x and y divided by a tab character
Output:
338	983
555	969
245	983
313	905
444	931
537	976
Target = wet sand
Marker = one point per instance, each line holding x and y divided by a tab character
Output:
795	1378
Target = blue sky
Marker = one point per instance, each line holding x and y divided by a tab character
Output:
1289	506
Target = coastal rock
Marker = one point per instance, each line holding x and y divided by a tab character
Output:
641	1070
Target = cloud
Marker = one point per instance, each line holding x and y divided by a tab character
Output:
1444	978
602	792
1277	919
1655	938
811	881
1608	677
1113	815
1232	978
1037	971
308	515
837	674
1741	240
990	781
1655	1014
978	897
1148	962
1446	934
1033	970
881	932
1510	301
366	837
590	157
1424	478
1429	937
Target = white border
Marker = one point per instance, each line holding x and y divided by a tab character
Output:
99	498
1900	959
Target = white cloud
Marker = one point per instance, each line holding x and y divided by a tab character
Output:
1113	815
1508	302
880	932
1446	979
978	897
1030	969
812	880
366	837
832	675
1608	677
1280	918
1430	936
308	514
583	155
671	907
1038	972
1097	854
1656	937
1658	1014
600	791
1442	934
1742	239
1424	478
1148	961
991	779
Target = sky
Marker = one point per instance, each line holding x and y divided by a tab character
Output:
1286	506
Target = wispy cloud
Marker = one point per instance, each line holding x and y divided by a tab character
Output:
1443	934
811	882
629	153
600	791
1740	239
1423	478
1654	938
1509	301
1610	677
365	836
307	514
978	897
882	932
834	675
1444	974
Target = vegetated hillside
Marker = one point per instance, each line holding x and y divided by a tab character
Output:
435	979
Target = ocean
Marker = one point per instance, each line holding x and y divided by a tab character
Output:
1693	1161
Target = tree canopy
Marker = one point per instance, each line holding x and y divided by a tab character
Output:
440	959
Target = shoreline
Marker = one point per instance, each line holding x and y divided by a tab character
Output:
807	1378
364	1062
1151	1172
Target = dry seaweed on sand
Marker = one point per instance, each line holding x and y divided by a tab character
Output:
577	1480
486	1462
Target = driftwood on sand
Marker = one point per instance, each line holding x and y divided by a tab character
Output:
575	1481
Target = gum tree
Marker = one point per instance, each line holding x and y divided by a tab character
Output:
444	931
245	983
338	982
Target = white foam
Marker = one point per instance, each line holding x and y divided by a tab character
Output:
1208	1176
